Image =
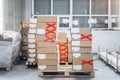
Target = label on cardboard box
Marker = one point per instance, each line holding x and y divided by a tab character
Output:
31	36
75	30
42	67
31	45
75	43
76	55
32	25
31	50
41	56
76	49
33	31
40	31
77	67
76	36
31	40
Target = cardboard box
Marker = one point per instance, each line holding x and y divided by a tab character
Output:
31	50
75	36
33	20
87	67
76	49
69	43
86	37
85	50
75	43
32	60
62	37
43	37
42	19
47	56
31	46
32	31
85	43
41	31
31	36
46	50
32	55
76	59
48	44
31	40
63	59
85	30
70	58
32	25
44	25
47	68
48	62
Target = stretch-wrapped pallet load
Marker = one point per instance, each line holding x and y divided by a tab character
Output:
62	47
24	40
81	49
32	56
46	43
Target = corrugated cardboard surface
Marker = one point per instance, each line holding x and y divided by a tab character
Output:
47	50
85	50
62	37
43	37
46	19
85	43
87	67
49	68
48	62
77	61
47	56
70	58
85	30
46	44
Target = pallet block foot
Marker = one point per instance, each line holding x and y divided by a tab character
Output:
66	74
92	74
40	74
8	69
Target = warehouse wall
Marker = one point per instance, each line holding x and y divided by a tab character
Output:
12	14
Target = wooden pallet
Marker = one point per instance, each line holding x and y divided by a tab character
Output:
65	71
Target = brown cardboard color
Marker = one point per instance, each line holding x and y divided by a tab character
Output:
85	39
47	50
85	30
69	49
48	62
85	50
70	58
42	37
47	56
62	37
42	25
77	61
85	43
69	44
46	19
46	44
48	68
86	56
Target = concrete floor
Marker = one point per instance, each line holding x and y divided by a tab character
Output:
19	72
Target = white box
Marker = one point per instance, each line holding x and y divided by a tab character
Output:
31	59
32	55
32	20
77	67
32	31
75	43
76	55
75	49
31	50
75	30
32	25
31	40
75	36
31	36
31	45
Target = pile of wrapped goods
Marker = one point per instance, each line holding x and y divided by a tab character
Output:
10	49
111	58
24	41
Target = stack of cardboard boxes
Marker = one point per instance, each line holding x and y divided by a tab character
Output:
85	49
63	49
70	57
46	43
81	49
75	35
32	44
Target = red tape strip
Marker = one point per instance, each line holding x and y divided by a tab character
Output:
63	59
89	37
50	30
90	62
